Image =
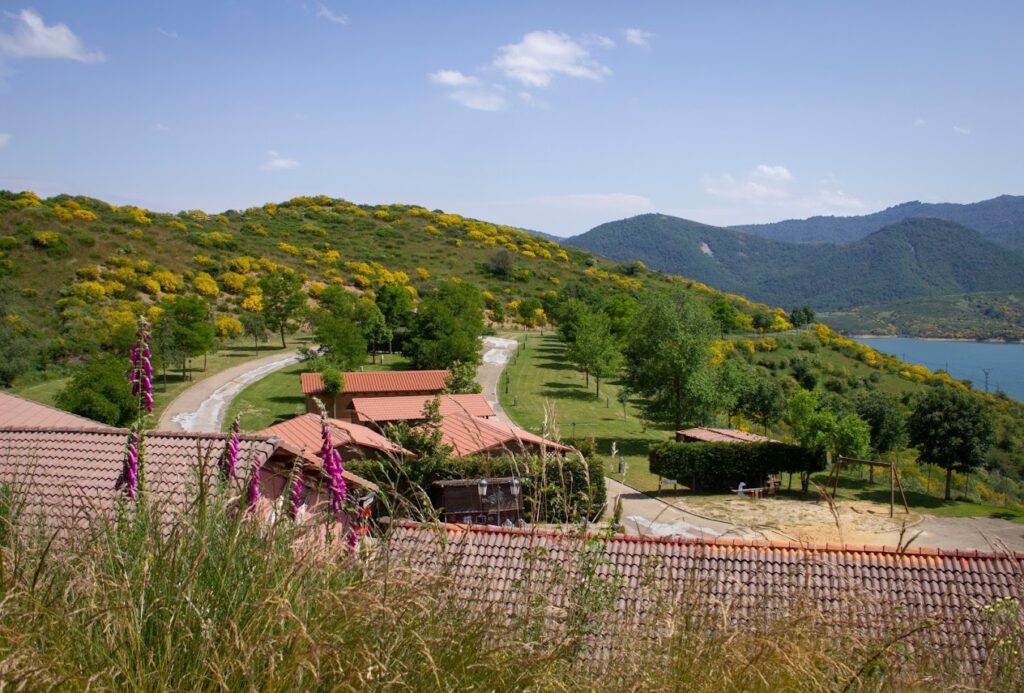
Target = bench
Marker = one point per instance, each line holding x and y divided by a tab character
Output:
662	483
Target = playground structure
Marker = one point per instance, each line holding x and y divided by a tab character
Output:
894	479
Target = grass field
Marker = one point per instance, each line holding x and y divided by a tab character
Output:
230	354
278	396
539	372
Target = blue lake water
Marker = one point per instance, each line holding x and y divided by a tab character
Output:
962	360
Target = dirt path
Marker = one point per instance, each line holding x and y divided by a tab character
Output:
202	406
497	352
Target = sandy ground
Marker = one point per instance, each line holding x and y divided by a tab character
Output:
497	352
202	406
858	522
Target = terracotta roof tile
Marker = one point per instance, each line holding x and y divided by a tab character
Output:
469	436
858	587
67	473
379	382
17	411
410	408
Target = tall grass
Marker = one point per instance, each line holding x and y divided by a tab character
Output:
218	600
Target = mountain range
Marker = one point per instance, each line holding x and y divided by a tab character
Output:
909	258
1000	219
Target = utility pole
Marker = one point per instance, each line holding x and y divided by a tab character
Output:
986	371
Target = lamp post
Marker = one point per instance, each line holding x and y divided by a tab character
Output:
481	489
515	496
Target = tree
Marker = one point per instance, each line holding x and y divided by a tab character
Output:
462	380
821	430
99	390
447	327
337	330
885	417
803	315
952	429
183	331
501	264
725	314
375	328
667	359
762	321
395	304
594	348
283	298
254	325
763	400
16	353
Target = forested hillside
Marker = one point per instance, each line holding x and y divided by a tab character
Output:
1001	219
911	258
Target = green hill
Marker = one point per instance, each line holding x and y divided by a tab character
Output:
75	270
1001	219
911	258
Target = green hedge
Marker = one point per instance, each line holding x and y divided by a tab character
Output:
721	466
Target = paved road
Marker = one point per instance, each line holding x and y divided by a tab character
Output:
202	406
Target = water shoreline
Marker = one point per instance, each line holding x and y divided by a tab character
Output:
989	340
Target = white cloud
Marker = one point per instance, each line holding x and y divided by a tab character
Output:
169	34
33	39
920	122
276	162
772	172
638	37
532	100
597	40
960	130
5	138
452	78
542	55
161	127
325	12
479	99
772	191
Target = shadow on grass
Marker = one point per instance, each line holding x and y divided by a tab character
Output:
555	366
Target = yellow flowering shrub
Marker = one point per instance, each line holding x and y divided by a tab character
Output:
287	248
233	282
169	281
423	273
228	327
205	284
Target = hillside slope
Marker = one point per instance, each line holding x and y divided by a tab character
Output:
911	258
1001	219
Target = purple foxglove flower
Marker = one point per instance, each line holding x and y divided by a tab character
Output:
141	377
353	542
229	458
332	466
129	478
296	494
253	495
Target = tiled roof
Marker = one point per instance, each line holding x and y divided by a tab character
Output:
17	411
303	433
410	408
723	435
469	436
67	473
861	588
379	382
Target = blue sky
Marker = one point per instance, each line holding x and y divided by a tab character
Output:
551	116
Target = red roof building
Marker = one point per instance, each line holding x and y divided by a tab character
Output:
467	436
381	410
352	440
370	384
720	435
17	411
868	590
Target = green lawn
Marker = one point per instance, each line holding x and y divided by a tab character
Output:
540	372
230	354
278	396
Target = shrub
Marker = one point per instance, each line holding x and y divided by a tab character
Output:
721	466
48	240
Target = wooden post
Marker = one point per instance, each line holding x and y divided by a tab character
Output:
892	490
902	494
